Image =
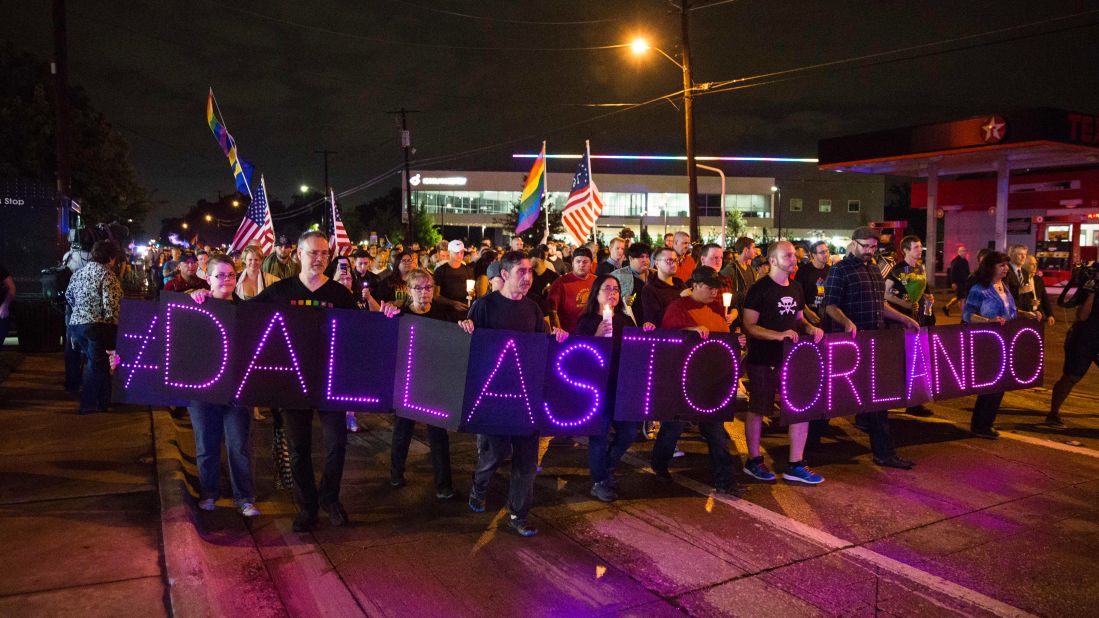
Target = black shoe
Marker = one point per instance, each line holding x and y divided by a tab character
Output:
1054	420
946	311
735	489
920	410
396	481
894	461
987	434
305	521
662	473
602	492
336	514
522	527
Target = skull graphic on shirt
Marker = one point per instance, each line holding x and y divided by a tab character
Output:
786	305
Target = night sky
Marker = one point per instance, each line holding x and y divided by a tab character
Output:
492	77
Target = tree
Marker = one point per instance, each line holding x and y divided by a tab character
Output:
423	229
734	225
103	180
382	216
533	235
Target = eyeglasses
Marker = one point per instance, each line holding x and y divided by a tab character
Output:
225	276
868	246
422	288
667	260
611	290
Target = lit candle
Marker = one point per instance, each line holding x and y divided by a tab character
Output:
608	313
469	286
727	299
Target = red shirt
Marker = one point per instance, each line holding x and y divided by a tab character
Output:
568	296
687	312
179	284
686	266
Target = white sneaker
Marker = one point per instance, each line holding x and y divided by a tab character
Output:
249	510
678	453
207	504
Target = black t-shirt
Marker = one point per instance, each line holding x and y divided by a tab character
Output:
291	291
499	312
452	281
657	295
4	274
434	312
588	322
393	289
811	279
778	307
542	282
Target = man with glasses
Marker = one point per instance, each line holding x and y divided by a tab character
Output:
663	289
811	277
854	300
313	289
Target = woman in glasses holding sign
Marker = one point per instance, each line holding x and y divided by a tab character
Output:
990	300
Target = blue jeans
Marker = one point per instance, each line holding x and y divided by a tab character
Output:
604	453
524	466
210	423
93	340
716	438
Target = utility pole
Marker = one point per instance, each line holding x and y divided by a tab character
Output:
327	189
688	113
60	69
406	144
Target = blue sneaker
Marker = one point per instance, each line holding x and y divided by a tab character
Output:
799	472
476	504
756	469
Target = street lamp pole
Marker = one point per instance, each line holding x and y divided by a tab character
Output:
722	174
688	121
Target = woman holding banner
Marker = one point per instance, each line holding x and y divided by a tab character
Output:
421	288
990	300
214	424
605	316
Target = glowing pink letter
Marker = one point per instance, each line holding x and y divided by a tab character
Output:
583	386
168	347
332	372
294	367
846	375
522	394
652	341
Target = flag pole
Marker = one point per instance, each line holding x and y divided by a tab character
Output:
591	180
545	193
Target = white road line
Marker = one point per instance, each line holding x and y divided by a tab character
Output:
1014	435
834	543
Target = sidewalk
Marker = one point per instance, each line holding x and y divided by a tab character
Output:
79	509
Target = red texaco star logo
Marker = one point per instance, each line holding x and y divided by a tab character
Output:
993	130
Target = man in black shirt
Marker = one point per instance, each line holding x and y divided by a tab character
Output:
773	312
311	288
450	281
957	274
509	309
662	289
811	276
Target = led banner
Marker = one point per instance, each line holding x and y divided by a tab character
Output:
429	386
668	374
893	368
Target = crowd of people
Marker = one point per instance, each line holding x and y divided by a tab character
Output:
788	292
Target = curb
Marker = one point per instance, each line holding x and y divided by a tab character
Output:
210	572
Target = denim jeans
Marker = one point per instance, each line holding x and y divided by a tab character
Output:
298	426
92	341
984	411
717	440
524	466
604	453
211	422
881	438
439	441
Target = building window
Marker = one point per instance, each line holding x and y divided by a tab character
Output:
825	205
795	204
854	205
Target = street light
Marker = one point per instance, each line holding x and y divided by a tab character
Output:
208	218
236	203
640	46
184	226
304	189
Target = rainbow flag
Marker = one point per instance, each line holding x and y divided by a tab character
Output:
241	169
530	203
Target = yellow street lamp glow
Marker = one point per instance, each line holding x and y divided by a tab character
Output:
236	203
304	188
209	218
184	226
639	46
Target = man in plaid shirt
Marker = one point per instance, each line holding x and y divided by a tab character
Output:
854	299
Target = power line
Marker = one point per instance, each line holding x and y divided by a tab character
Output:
385	41
504	20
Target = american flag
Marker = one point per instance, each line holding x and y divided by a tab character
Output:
584	203
257	225
340	241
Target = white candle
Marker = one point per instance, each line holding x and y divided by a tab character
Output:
608	313
727	299
469	287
